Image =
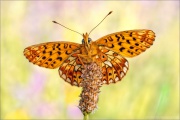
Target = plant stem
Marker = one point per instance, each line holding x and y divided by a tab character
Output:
86	116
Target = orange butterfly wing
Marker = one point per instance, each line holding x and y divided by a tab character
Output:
71	70
50	54
128	43
114	66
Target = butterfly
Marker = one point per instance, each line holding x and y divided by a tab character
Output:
108	52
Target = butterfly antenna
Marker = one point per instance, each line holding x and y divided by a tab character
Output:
101	21
66	27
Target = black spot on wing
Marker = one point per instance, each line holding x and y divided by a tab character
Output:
131	47
50	52
65	46
105	40
118	37
112	46
110	38
50	59
130	34
121	49
128	41
136	44
45	47
59	58
59	52
120	43
67	53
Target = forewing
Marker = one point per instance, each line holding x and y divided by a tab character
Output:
114	66
51	54
71	70
128	43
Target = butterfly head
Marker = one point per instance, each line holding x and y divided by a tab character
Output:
89	41
86	41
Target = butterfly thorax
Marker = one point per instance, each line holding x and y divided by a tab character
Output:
89	50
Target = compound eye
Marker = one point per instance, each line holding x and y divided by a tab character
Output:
82	41
89	40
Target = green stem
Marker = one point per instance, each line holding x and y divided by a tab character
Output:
86	116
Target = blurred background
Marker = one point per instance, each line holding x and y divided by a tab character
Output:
149	90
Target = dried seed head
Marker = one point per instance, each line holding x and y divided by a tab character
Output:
92	75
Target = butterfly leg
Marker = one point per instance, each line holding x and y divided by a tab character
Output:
80	60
